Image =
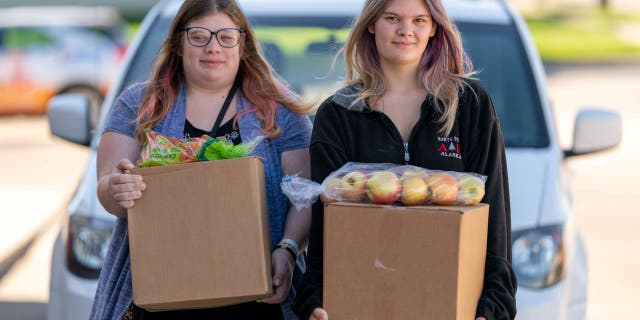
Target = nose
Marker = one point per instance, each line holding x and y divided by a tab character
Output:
213	46
404	29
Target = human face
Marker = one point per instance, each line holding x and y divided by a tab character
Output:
211	66
402	32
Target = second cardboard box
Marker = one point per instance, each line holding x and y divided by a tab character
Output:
387	262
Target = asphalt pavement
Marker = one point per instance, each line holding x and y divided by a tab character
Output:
38	173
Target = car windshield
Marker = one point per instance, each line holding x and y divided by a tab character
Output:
302	50
498	55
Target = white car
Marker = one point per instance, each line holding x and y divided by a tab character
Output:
299	38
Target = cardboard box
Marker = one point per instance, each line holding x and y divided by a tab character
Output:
199	237
384	262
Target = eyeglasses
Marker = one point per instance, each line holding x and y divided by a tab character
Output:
227	37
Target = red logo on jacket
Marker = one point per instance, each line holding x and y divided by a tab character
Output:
449	147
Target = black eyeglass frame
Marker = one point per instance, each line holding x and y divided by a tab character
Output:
213	33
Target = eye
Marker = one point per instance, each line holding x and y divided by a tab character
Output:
391	18
198	37
197	34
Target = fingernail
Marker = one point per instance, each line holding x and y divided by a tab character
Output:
144	186
276	282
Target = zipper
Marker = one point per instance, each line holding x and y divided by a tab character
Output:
395	133
406	153
398	136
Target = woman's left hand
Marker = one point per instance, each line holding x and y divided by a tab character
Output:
282	265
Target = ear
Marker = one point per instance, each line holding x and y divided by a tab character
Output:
371	29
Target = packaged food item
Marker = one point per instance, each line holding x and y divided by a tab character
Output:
161	150
388	184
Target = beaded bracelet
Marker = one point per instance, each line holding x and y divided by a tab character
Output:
289	249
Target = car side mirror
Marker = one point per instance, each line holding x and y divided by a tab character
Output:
68	116
595	130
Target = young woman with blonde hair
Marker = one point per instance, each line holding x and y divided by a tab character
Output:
210	78
411	99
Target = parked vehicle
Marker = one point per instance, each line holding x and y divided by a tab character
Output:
299	37
45	51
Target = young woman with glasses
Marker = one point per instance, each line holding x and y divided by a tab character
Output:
208	71
409	94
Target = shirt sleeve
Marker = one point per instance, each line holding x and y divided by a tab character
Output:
326	157
296	130
122	117
487	157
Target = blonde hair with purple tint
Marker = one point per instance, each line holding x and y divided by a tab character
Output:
444	66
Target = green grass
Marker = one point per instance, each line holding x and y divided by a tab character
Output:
580	35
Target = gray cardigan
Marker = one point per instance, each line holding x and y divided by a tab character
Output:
114	293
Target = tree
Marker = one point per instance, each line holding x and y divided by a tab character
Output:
604	4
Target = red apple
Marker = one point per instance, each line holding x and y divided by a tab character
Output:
414	190
356	181
383	187
333	189
443	188
471	189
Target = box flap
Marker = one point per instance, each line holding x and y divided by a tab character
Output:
458	209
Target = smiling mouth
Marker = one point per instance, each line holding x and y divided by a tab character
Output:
211	62
403	43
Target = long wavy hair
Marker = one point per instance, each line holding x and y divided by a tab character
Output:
260	84
444	66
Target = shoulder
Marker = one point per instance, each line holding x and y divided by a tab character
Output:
133	95
329	108
292	124
475	100
285	116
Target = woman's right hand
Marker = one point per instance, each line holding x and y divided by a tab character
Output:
319	314
123	187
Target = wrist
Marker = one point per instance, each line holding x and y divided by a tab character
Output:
289	249
292	243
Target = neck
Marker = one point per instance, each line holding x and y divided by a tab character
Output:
210	89
401	78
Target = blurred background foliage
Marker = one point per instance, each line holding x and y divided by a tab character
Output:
585	34
583	30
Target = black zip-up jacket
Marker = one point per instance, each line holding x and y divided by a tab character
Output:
343	132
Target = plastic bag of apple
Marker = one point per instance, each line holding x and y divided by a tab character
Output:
387	184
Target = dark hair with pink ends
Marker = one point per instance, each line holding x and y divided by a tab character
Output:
260	85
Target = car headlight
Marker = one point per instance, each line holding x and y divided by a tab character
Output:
538	256
87	244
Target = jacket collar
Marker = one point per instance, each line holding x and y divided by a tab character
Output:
346	97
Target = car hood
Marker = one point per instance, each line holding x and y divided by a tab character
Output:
528	172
